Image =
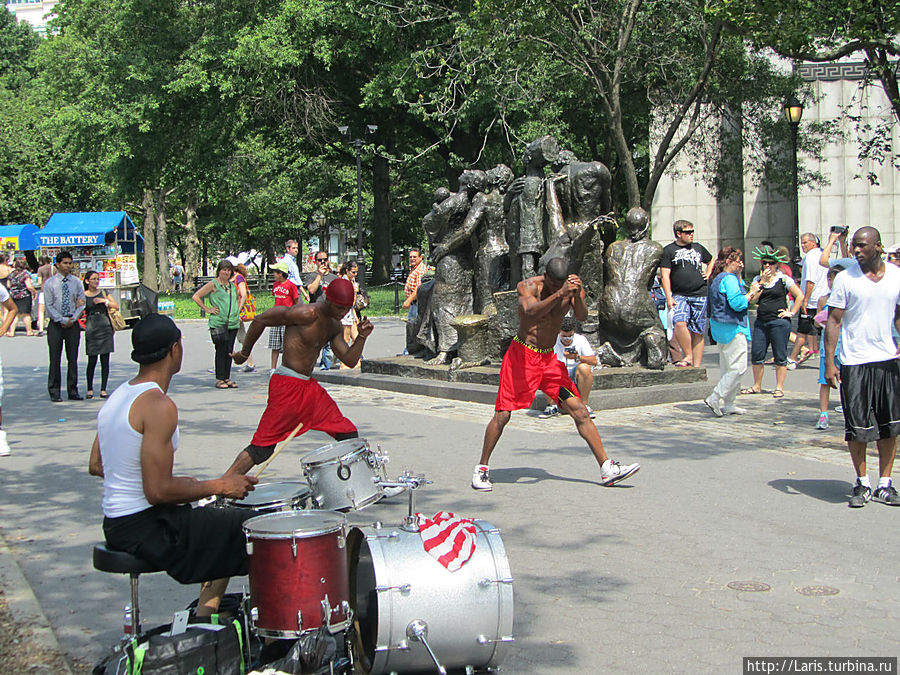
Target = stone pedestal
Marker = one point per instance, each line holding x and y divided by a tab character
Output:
472	336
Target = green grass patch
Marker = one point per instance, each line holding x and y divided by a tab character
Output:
382	302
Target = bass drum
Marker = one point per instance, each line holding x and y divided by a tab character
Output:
394	583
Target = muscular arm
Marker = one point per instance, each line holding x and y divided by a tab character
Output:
350	356
832	333
95	464
300	315
531	306
579	307
11	313
157	457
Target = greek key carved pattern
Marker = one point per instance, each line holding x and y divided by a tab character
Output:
831	72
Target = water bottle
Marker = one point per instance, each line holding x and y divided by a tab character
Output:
128	623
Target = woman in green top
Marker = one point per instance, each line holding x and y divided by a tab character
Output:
219	299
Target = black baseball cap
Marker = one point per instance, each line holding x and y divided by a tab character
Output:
152	337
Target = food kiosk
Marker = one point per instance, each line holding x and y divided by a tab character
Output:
106	242
18	238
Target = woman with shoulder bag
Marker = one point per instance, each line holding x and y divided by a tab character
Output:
99	341
247	303
223	319
348	271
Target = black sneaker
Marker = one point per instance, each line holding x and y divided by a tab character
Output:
887	495
860	496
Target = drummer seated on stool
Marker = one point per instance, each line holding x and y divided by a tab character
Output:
146	509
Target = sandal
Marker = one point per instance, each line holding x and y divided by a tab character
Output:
103	394
221	384
89	394
750	390
231	385
683	364
803	356
778	394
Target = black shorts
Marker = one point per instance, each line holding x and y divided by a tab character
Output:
805	323
191	545
869	394
23	305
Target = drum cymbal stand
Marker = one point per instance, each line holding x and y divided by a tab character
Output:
411	482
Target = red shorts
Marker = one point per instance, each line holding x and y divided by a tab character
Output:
292	400
524	371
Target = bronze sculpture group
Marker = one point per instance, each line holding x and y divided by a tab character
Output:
497	230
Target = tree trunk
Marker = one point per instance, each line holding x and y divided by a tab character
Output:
381	228
149	241
162	249
191	241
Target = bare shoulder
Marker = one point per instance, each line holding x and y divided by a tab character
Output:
530	287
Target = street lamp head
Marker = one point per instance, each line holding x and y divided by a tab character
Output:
344	131
372	128
793	110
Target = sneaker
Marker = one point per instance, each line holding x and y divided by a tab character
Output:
733	410
4	447
616	472
791	364
823	421
712	402
590	411
248	369
887	495
549	411
839	408
481	479
860	496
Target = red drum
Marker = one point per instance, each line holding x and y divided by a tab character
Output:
298	573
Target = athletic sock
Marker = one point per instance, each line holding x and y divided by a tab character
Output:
864	481
606	465
884	482
481	467
823	413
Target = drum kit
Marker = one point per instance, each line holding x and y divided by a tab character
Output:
396	608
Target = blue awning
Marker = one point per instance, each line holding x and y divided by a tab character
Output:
18	237
89	229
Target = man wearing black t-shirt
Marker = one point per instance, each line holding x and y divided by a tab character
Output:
684	269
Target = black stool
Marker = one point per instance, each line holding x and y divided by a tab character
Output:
119	562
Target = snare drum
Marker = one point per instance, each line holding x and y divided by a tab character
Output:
298	573
344	475
394	582
274	497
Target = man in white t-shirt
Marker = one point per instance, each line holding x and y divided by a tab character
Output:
576	353
864	302
812	285
11	313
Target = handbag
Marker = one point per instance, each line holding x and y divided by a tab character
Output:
362	300
248	311
115	318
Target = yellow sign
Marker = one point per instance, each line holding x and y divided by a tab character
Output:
9	243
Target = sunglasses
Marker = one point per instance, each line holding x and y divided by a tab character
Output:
686	232
321	259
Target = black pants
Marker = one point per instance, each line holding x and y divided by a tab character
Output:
57	335
104	371
224	344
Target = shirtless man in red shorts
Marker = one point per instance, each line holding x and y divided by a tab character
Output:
293	395
530	364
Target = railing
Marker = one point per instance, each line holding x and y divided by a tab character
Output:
257	283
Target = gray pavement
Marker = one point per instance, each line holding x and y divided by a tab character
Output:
627	579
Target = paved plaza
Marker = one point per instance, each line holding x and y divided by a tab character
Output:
638	578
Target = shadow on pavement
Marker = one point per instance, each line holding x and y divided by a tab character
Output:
831	491
529	475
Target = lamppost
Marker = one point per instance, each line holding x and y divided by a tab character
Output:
793	112
358	143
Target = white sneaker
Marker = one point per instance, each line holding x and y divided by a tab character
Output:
590	412
481	479
733	410
4	448
616	472
791	364
549	411
822	424
713	403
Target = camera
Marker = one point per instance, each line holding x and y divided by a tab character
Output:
571	350
839	229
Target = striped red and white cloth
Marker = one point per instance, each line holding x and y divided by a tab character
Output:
448	539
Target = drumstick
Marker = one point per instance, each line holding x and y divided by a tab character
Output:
278	449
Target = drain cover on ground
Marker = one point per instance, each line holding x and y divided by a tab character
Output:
749	586
817	590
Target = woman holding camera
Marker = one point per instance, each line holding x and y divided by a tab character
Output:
773	319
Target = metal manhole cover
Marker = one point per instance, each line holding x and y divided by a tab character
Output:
817	590
749	586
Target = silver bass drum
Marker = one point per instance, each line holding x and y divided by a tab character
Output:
400	594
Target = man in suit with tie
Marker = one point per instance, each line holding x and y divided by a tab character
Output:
64	303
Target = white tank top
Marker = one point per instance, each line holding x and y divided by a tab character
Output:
120	450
